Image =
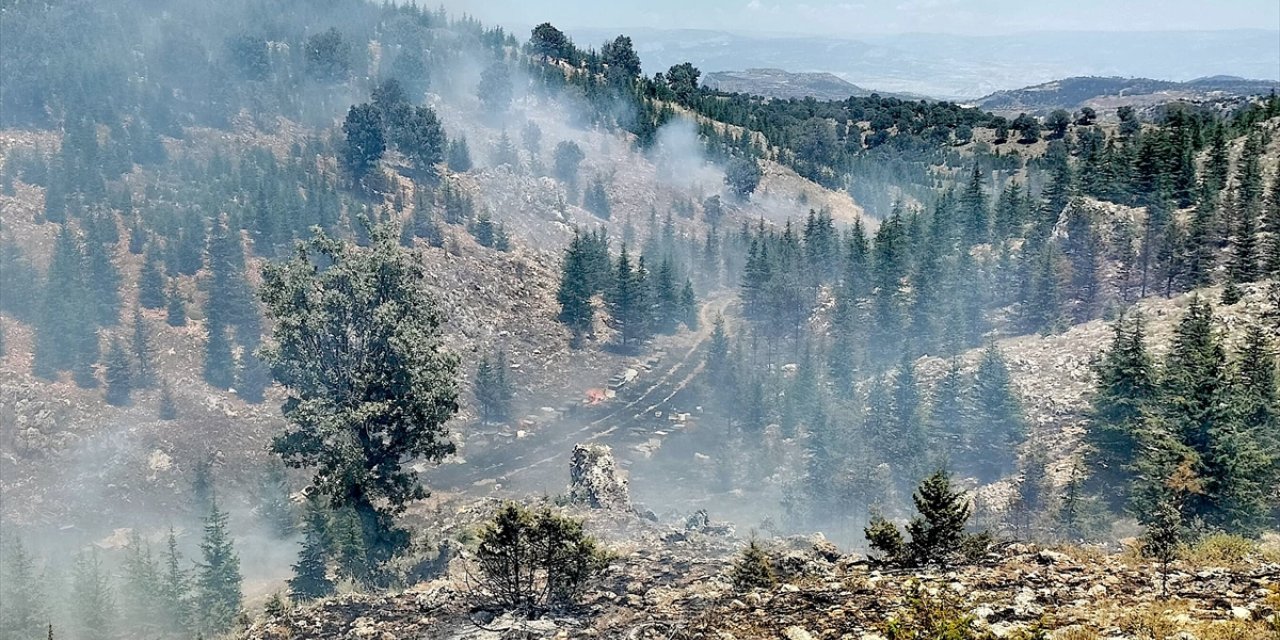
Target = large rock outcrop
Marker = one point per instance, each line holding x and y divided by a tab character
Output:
594	479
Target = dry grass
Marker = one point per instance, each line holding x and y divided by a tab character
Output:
1082	553
1149	624
1237	630
1220	550
1075	633
1269	547
1161	622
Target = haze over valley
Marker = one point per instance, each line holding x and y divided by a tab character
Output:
931	320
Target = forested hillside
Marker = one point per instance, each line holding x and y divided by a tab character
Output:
273	273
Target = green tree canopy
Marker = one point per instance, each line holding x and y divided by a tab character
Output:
358	347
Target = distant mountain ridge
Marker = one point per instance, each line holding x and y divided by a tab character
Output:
1107	92
961	67
778	83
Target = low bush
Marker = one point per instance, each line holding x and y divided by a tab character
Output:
1220	550
932	615
531	561
753	569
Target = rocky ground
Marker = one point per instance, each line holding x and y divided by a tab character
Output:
671	579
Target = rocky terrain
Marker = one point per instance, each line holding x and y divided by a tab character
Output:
671	579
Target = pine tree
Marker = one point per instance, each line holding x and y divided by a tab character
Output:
1199	254
151	282
1245	450
230	304
628	301
576	289
1194	391
1083	252
365	140
903	439
973	205
143	603
936	534
482	229
218	594
93	602
64	321
458	156
1043	306
947	416
137	234
219	362
1124	392
752	570
119	375
492	389
143	359
1032	499
175	306
310	573
1256	396
24	612
996	426
1194	376
1271	212
175	590
755	280
1243	264
596	199
103	279
667	308
1163	538
718	365
349	548
689	306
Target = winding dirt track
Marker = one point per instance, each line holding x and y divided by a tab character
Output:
539	458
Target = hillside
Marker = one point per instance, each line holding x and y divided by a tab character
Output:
1106	94
306	309
672	580
777	83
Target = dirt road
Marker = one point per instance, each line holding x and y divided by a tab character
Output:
540	460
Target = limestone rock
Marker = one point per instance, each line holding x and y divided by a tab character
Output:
594	479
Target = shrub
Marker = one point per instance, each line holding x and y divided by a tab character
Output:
530	561
884	537
753	569
1220	550
937	535
938	615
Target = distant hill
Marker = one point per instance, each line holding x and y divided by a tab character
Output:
777	83
962	67
1110	92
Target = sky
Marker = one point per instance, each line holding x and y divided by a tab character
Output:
854	18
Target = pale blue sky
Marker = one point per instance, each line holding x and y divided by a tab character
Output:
853	18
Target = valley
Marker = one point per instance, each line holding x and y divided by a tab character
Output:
346	320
